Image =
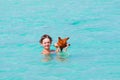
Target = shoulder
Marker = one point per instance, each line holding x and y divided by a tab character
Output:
52	51
45	52
42	52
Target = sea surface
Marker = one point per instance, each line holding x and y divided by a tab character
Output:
93	27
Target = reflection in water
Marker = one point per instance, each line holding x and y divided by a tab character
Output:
47	58
62	57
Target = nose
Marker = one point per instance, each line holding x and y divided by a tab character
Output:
68	44
47	44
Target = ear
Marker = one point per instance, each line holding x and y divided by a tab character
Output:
41	44
59	38
67	38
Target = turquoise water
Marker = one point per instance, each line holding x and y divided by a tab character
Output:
92	25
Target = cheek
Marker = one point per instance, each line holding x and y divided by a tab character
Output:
46	44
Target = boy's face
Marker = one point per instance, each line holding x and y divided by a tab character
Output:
46	43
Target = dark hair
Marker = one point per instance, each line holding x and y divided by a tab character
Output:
45	36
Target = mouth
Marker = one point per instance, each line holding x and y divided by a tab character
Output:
47	46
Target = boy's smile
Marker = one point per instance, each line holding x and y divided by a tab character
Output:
46	43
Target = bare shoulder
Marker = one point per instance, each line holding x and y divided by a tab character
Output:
42	52
52	51
45	52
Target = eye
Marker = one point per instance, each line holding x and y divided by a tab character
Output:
48	42
44	43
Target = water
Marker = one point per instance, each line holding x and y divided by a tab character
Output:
93	28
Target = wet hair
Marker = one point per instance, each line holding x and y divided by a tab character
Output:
45	36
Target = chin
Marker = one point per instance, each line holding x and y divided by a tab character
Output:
47	48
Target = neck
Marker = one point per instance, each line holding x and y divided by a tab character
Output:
47	49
